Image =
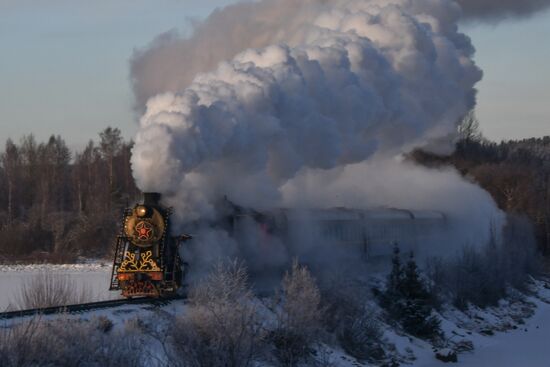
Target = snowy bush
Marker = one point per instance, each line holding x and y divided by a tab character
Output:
103	323
65	342
83	343
482	276
520	258
361	337
474	278
47	290
221	326
22	345
341	298
354	323
298	317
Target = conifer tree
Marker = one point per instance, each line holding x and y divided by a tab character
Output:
396	275
408	300
393	293
417	317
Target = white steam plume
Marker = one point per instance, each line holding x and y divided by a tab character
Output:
365	77
308	91
171	62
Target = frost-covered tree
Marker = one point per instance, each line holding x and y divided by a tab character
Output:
298	317
222	325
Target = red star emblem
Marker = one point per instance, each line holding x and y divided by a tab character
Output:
144	231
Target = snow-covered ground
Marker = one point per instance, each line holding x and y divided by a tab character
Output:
525	343
528	346
94	277
514	334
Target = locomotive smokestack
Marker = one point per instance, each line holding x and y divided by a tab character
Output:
151	198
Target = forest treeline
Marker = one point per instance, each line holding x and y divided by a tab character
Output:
56	205
516	173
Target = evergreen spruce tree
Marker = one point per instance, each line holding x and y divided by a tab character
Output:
393	293
413	286
417	316
395	278
408	300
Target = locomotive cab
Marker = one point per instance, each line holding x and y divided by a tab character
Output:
147	262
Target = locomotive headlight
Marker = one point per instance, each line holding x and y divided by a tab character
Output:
141	211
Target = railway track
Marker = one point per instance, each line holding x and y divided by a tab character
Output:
84	307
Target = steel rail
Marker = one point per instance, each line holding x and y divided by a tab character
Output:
87	307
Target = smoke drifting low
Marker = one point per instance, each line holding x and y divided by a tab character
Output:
285	103
397	183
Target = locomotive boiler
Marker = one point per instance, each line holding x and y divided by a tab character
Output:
147	261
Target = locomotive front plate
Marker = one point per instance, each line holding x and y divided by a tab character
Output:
144	230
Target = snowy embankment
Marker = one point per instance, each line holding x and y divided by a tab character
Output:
513	334
93	277
528	345
516	333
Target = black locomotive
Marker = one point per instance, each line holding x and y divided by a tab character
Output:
147	261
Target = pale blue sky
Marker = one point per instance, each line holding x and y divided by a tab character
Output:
514	95
64	66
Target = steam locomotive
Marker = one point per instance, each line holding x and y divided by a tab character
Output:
147	262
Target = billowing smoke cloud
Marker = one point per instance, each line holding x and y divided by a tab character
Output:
500	9
364	78
171	62
285	103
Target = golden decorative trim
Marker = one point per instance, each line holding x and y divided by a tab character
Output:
131	264
135	288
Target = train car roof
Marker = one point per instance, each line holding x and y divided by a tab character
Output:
358	214
427	214
336	213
